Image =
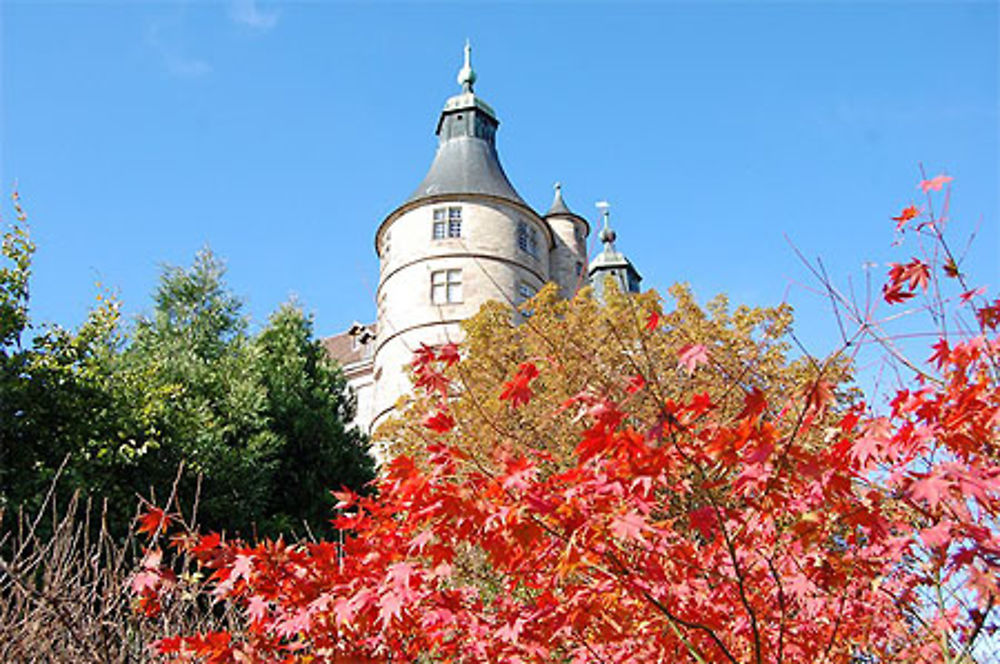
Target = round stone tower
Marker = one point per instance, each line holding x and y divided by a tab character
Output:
568	261
464	237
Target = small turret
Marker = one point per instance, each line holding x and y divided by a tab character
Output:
569	253
611	263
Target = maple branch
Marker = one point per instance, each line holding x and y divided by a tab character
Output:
967	650
740	582
836	626
625	571
864	323
943	636
586	645
782	607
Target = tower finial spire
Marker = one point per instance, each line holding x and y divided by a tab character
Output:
467	75
607	235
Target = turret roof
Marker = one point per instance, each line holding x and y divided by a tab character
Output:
466	161
466	165
558	204
610	261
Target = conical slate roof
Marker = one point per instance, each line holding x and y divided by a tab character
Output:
466	161
466	165
558	204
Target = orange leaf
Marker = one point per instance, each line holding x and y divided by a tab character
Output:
908	213
153	521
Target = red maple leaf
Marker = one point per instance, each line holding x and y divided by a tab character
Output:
941	354
700	404
704	521
917	274
448	354
755	403
653	321
518	389
691	355
908	213
905	279
629	526
937	536
166	645
935	183
635	383
930	488
439	422
430	380
153	521
207	543
819	395
423	356
989	316
967	296
894	293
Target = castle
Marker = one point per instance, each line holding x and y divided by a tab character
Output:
464	237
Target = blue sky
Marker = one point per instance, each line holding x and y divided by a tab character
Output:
282	134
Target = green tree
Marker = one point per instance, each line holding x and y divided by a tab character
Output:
307	407
53	402
258	423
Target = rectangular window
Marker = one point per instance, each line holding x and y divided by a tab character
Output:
447	223
446	287
440	224
454	222
527	238
525	292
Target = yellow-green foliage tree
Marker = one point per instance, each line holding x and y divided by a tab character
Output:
586	351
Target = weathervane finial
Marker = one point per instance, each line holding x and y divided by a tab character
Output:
466	75
607	235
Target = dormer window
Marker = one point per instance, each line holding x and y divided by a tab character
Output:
447	223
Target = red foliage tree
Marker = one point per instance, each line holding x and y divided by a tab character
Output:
700	538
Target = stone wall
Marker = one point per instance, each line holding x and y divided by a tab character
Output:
491	266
